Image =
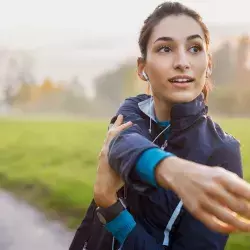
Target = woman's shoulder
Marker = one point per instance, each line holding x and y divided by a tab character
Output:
130	106
224	138
132	103
224	141
136	99
226	149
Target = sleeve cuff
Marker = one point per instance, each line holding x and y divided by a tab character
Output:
121	226
147	163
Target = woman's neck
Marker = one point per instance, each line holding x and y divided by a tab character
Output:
162	109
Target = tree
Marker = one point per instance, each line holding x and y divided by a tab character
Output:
113	86
223	65
18	74
23	95
242	53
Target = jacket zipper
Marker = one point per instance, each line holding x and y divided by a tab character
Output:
85	246
165	144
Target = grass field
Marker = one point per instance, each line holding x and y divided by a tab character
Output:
52	164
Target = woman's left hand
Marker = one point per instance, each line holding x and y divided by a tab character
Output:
108	182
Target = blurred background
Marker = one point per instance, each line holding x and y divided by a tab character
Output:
65	67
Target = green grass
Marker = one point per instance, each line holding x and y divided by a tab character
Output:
52	164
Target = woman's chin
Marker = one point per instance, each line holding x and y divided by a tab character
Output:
182	97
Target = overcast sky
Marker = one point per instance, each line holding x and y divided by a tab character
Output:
32	23
85	38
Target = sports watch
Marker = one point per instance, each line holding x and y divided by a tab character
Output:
106	215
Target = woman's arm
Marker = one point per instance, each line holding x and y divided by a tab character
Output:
131	235
132	147
200	187
228	156
131	153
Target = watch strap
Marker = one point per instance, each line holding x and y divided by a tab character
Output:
113	211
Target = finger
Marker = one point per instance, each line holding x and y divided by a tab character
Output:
235	204
213	223
115	131
118	121
124	126
235	185
225	215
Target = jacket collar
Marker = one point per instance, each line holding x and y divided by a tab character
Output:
183	115
147	107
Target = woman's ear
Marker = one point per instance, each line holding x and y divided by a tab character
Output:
141	68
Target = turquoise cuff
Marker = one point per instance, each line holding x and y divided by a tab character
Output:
121	226
147	163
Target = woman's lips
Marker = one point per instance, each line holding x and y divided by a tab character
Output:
181	81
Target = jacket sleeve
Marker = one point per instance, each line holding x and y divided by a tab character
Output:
228	156
126	148
139	239
130	234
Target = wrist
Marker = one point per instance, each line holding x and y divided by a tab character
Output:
105	201
167	171
121	226
110	213
108	202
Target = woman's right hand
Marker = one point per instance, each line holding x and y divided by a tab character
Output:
213	195
108	182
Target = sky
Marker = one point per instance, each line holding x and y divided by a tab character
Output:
85	38
34	23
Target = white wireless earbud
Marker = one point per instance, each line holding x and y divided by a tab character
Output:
145	76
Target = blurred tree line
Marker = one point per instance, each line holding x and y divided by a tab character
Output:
48	97
231	79
230	96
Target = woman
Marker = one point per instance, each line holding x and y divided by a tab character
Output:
173	200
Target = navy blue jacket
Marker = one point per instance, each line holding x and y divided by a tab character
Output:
162	221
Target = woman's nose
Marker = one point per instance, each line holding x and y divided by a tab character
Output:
181	61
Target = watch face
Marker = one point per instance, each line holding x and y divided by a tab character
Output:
101	218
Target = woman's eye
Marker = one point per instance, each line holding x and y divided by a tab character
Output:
195	49
165	49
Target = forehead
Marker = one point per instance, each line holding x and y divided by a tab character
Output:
178	27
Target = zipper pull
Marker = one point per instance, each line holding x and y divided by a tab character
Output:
165	144
85	246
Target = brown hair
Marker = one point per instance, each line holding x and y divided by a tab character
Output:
166	9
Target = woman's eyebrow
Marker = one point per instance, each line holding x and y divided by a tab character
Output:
194	37
167	38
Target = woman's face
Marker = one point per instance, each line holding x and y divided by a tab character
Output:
177	60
